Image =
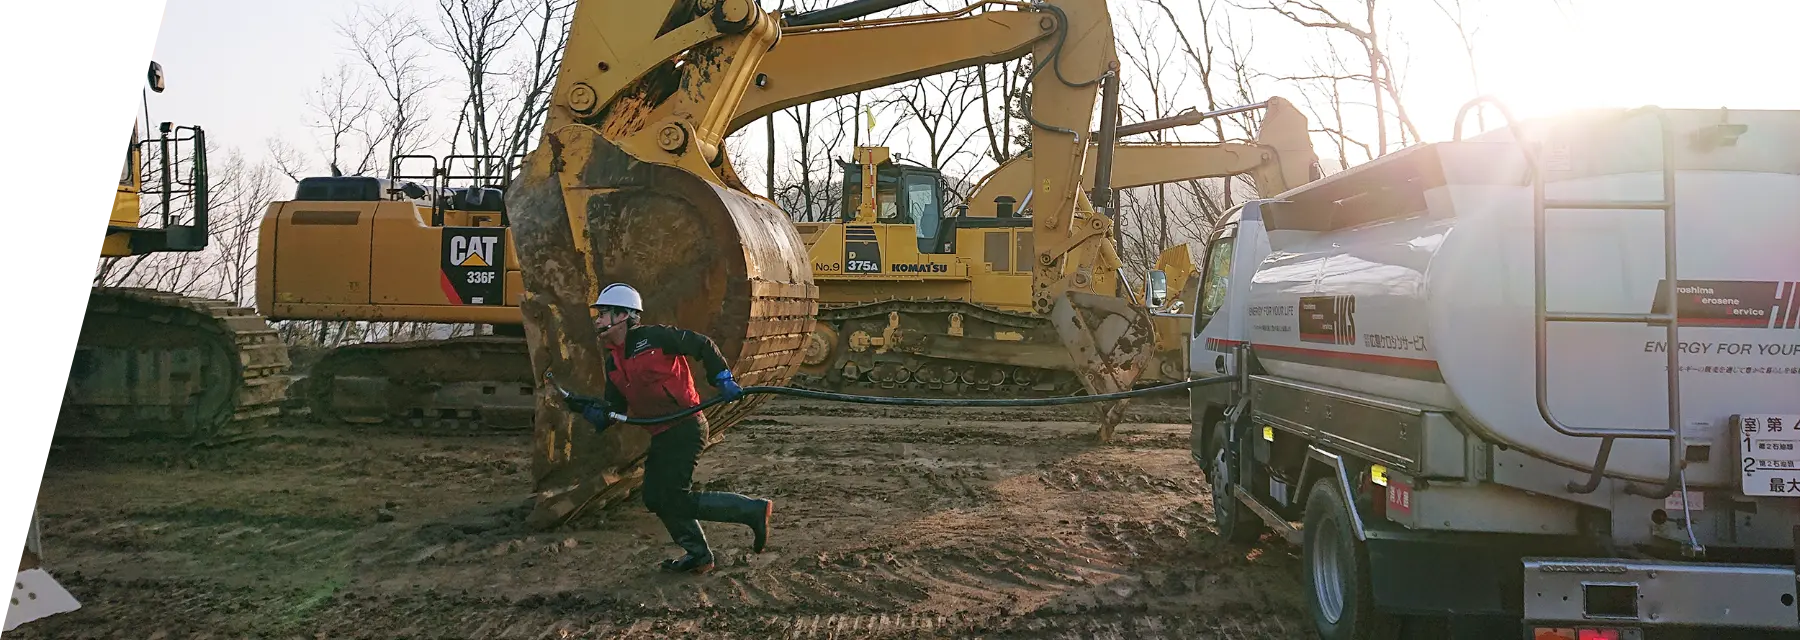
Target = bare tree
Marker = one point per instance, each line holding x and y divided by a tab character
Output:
342	110
1313	14
1152	66
236	214
940	109
475	32
1001	118
387	42
1453	11
505	85
807	194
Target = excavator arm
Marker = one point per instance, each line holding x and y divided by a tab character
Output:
629	185
822	61
1280	158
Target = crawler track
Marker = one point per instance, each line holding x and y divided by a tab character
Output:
158	364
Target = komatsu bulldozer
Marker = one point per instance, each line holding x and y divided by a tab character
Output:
915	303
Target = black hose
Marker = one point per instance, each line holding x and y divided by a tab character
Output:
846	11
920	402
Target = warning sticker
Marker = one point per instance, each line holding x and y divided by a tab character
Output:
1769	453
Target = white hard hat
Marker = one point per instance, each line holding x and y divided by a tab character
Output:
620	295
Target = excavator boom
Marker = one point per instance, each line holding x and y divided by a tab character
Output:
1279	159
629	185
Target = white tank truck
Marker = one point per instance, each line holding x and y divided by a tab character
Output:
1466	341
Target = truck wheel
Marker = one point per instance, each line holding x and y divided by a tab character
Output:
1337	571
1235	521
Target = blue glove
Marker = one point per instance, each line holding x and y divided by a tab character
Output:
592	409
597	415
727	386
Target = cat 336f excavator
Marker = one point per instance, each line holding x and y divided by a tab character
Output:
357	248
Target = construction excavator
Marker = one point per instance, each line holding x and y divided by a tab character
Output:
318	257
158	363
914	303
631	184
152	363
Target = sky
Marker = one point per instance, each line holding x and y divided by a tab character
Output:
243	69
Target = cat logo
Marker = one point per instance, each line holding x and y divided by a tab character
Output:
472	251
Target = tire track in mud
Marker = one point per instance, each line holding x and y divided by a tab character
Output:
893	524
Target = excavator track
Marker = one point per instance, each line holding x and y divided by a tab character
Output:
934	348
457	385
162	365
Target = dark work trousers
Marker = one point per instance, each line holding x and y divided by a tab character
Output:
668	482
669	471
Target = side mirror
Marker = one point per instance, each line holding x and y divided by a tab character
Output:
156	77
1158	288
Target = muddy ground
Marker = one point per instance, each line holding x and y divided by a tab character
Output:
890	522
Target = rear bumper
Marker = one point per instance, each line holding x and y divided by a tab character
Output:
1653	593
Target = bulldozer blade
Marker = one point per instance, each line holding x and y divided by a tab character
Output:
1110	341
705	258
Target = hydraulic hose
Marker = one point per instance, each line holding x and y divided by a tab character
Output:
906	402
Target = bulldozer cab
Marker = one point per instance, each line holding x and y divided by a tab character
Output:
908	194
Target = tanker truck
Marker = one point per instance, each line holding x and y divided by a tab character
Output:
1545	379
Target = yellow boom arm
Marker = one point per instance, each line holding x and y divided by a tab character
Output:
1281	158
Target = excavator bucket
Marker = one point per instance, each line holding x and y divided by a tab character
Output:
1110	340
705	258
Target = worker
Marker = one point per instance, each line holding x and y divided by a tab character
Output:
648	375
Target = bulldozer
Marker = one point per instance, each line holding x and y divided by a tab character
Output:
630	184
353	248
915	303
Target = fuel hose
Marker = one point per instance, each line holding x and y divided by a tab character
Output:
901	402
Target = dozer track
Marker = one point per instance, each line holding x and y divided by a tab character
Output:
467	384
935	348
157	364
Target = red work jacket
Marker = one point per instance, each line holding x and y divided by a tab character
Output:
647	375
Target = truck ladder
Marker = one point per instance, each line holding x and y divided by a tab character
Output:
1670	320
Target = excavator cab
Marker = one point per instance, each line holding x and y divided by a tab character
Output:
177	219
906	193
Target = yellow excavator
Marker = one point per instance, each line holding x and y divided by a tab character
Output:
431	243
159	363
117	362
151	363
918	304
349	248
631	184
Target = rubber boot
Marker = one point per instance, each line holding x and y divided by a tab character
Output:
691	538
730	507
